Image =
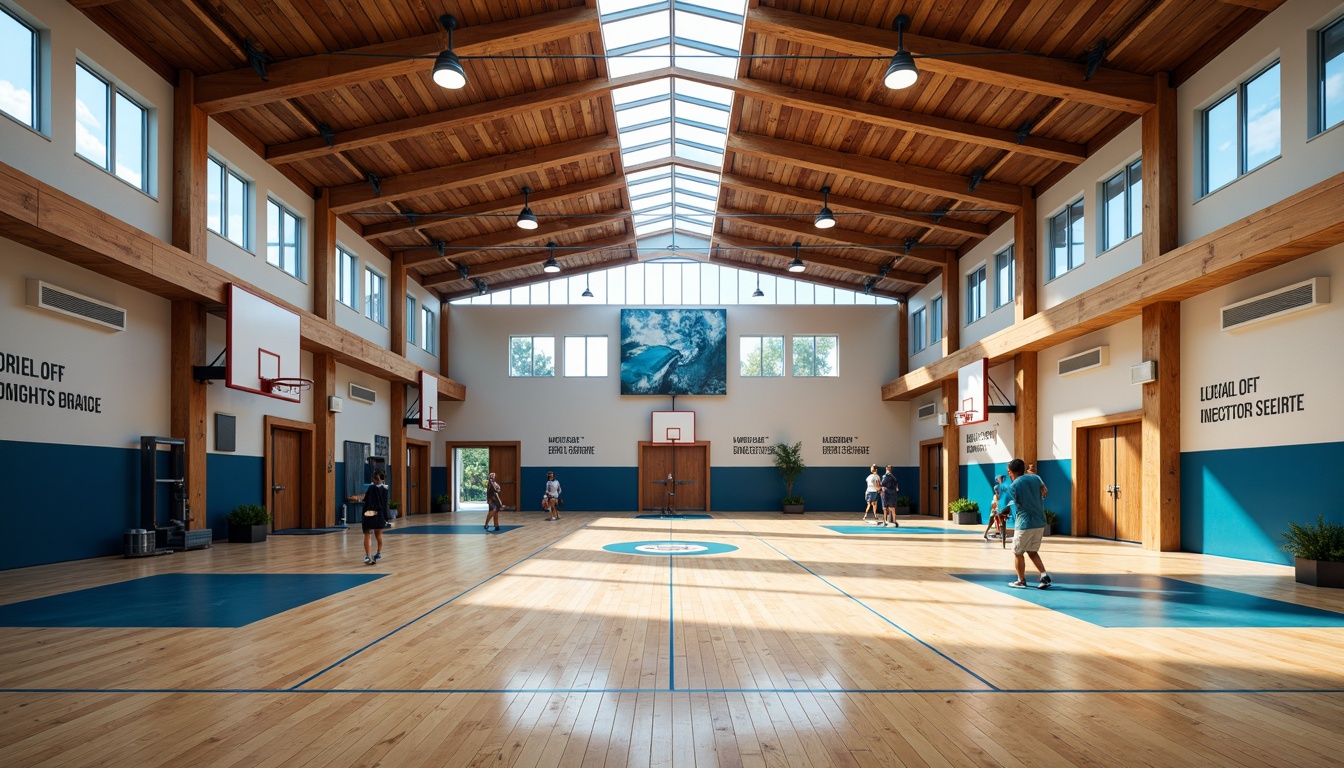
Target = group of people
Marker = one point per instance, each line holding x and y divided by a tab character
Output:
879	495
550	499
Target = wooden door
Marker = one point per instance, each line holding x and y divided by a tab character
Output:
1114	495
286	479
688	467
931	501
1101	482
504	463
417	478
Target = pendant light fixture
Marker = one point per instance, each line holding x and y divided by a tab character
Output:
901	72
758	293
448	72
550	266
825	219
587	291
797	264
526	218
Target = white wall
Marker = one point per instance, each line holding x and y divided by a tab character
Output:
983	253
1087	394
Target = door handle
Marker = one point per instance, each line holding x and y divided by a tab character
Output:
277	487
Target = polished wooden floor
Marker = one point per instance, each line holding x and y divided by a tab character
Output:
539	648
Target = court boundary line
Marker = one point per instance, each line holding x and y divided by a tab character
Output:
761	691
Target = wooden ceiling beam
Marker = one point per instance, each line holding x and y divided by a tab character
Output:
504	265
807	197
350	197
994	194
899	119
453	119
1107	88
242	88
489	207
819	257
888	249
542	278
513	236
82	4
1259	5
747	266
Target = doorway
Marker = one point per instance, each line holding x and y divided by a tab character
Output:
931	501
288	473
468	465
1108	462
417	477
687	466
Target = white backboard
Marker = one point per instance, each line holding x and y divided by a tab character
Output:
972	406
673	427
263	343
429	401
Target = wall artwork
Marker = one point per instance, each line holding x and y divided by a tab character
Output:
674	351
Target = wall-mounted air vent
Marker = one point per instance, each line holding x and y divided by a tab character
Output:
1299	296
48	296
1085	361
928	411
362	394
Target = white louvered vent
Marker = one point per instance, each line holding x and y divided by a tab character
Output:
928	411
1293	298
362	394
47	296
1096	357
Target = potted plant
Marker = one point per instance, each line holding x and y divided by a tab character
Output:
964	511
444	502
248	524
1051	520
903	505
789	464
392	507
1318	552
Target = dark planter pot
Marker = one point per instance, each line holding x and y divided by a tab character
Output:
445	508
1319	573
793	509
968	518
902	510
1049	530
247	534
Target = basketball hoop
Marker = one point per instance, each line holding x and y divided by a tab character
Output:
964	416
286	386
437	424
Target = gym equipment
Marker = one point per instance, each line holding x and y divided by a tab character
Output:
172	535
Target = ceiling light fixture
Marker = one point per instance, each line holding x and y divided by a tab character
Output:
526	218
797	264
825	219
587	291
448	72
758	293
901	72
550	266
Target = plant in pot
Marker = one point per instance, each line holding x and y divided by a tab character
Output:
393	510
964	511
1051	522
789	464
903	504
1318	552
444	502
248	524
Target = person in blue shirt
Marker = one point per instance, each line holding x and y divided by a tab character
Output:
1026	494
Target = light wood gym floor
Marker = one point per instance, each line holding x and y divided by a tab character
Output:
803	647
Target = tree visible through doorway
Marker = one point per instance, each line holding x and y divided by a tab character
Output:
475	467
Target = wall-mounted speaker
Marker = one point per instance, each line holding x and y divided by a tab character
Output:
1143	372
943	420
335	404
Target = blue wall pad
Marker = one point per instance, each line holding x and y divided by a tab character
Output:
231	480
469	530
1138	600
583	489
913	530
674	517
180	600
669	547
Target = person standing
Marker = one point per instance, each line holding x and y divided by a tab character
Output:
552	497
492	501
375	515
1026	494
871	489
998	520
889	490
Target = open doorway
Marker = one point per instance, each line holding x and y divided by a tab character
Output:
468	466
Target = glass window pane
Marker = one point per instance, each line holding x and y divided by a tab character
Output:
410	319
1076	234
272	233
728	280
697	155
634	283
635	29
18	70
672	284
773	356
701	136
1332	75
1220	143
1135	198
702	114
719	32
597	355
642	91
661	132
647	155
131	138
704	61
1113	211
91	113
615	286
520	356
660	110
749	355
214	195
236	205
651	202
575	352
543	356
1262	118
936	319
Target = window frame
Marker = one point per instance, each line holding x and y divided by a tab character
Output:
1131	176
917	330
793	355
34	121
761	341
226	171
429	329
532	374
1070	222
1320	103
1008	255
977	298
588	355
113	90
1243	166
412	318
285	212
347	277
375	302
935	319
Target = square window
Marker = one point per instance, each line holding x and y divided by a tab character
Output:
1122	206
761	356
111	128
531	356
816	356
586	356
282	239
1241	131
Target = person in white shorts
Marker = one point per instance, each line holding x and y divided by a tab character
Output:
1026	494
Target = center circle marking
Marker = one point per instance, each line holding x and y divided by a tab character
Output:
666	547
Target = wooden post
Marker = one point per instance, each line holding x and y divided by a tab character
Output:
396	458
1159	129
187	402
1025	397
324	257
902	338
443	340
1026	230
1162	428
951	479
325	501
397	305
951	305
190	145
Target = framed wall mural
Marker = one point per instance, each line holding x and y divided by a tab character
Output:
674	351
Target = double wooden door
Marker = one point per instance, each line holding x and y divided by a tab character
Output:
1114	475
504	463
682	469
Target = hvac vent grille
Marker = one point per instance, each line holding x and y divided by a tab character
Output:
928	411
50	297
1293	298
362	394
1084	361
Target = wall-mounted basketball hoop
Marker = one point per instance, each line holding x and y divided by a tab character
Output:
286	386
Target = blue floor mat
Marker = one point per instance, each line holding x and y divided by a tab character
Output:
453	529
914	530
181	600
1138	600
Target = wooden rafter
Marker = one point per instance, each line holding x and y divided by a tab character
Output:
883	247
516	262
995	194
543	278
820	257
1107	88
242	88
350	197
747	266
1259	5
514	236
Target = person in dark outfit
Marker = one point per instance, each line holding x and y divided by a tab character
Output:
889	490
375	515
492	500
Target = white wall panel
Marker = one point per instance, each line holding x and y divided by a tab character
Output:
1087	394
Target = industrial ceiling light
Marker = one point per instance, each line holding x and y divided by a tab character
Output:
550	266
797	264
526	218
825	219
587	291
901	72
758	293
448	72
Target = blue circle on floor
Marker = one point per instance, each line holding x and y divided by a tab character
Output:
667	547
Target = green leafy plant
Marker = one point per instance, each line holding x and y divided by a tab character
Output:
249	514
1051	518
1317	541
903	501
443	499
394	505
789	464
957	506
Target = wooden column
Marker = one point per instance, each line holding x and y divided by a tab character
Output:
1024	396
397	304
187	401
951	479
325	501
1159	132
443	340
1026	237
190	142
903	338
396	451
951	305
324	257
1162	428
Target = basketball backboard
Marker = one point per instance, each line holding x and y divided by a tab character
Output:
263	345
673	427
972	406
429	402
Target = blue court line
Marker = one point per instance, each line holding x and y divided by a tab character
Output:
375	641
671	621
887	691
868	608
